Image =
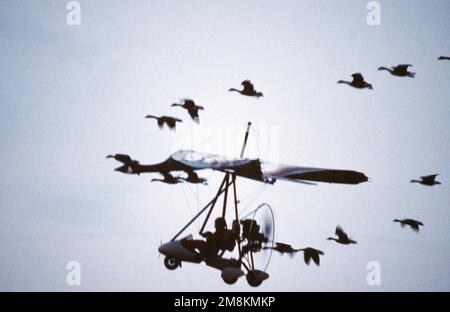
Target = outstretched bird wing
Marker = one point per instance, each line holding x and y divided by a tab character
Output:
403	68
170	121
414	224
188	103
341	234
316	258
358	78
193	112
248	86
429	178
307	257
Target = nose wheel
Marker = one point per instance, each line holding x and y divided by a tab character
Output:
171	263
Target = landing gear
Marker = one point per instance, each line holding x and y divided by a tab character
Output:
256	277
171	263
230	281
252	280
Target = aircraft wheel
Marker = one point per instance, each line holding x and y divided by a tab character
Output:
171	263
253	280
230	281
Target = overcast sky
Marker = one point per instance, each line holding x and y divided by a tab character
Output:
70	95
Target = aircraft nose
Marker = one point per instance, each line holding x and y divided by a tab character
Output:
164	249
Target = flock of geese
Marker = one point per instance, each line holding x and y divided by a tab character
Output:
309	253
193	109
358	81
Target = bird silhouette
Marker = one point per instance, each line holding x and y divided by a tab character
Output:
194	178
414	224
248	90
427	180
171	122
191	107
168	178
283	248
447	58
342	237
128	165
357	82
312	253
399	70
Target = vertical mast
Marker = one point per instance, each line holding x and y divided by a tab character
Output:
236	214
245	139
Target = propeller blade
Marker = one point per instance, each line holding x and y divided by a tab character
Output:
268	228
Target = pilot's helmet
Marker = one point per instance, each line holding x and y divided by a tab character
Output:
220	223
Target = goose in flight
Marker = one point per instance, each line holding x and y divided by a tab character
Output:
342	237
308	253
283	248
399	70
191	107
128	165
441	58
414	224
248	89
194	178
357	82
171	122
429	180
168	178
312	253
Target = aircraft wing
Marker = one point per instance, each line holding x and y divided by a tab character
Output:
266	172
302	174
187	160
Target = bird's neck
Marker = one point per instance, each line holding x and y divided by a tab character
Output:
385	68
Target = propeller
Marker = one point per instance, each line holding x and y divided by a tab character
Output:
263	216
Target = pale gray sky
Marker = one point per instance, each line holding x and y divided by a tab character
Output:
71	95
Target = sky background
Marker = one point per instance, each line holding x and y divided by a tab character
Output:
70	95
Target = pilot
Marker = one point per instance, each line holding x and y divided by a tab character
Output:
221	240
